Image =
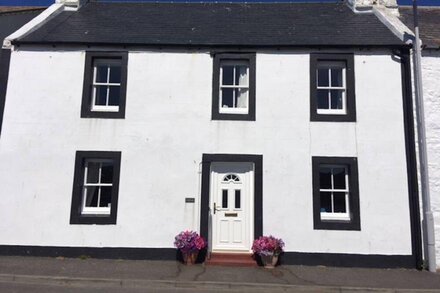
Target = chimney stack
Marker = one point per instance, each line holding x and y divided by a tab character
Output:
367	5
72	4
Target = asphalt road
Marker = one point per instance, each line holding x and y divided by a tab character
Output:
14	287
47	275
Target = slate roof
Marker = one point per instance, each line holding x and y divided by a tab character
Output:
12	18
429	21
214	24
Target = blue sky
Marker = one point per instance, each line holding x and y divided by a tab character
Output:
48	2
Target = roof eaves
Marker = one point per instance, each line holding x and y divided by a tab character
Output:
195	45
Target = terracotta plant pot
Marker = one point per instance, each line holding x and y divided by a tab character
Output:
269	261
190	258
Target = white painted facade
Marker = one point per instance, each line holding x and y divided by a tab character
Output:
431	95
167	128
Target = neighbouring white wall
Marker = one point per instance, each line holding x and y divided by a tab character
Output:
431	95
167	129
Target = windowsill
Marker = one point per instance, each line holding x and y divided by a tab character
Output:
331	112
234	111
331	217
105	109
96	212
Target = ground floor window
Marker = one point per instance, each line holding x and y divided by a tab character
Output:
95	190
335	193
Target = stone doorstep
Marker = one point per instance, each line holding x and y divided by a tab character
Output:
231	259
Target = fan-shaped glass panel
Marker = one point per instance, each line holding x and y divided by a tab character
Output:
231	178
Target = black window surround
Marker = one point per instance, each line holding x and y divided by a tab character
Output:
218	58
76	216
350	115
354	222
86	107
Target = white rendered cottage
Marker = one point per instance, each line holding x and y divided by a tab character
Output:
126	123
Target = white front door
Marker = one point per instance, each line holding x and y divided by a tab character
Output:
231	201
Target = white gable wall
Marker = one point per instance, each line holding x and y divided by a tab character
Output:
167	128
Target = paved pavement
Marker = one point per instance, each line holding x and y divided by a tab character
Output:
40	274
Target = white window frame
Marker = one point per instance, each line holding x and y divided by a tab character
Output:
337	216
329	65
95	210
224	110
108	62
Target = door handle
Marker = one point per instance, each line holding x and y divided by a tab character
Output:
215	208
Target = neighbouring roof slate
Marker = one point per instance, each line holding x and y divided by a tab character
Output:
429	21
214	24
12	18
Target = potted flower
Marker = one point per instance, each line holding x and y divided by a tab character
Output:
189	243
268	248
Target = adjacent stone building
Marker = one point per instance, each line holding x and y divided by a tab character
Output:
429	18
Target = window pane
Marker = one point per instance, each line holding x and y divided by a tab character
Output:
339	178
336	97
227	98
91	196
225	198
323	77
336	74
323	99
326	202
238	199
101	73
115	74
106	196
325	178
93	172
228	75
107	172
339	202
242	97
113	98
101	95
241	77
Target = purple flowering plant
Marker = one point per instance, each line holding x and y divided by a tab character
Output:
189	241
268	245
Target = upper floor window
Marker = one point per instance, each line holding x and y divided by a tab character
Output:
234	87
104	85
335	193
332	87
